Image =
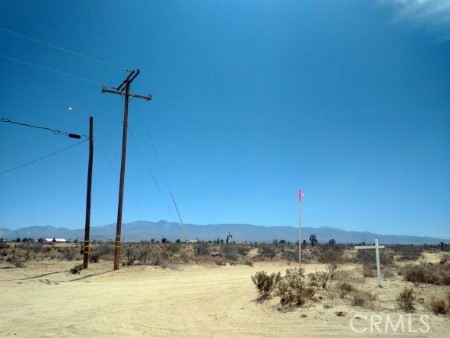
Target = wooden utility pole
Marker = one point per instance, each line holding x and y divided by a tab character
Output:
124	90
87	225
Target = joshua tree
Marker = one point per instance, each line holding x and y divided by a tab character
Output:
313	239
229	236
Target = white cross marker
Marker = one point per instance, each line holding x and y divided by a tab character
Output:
377	255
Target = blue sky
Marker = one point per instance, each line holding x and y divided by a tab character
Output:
252	100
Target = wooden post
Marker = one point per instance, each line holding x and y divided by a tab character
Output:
377	257
87	225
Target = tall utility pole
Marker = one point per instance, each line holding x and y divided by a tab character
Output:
124	90
300	196
87	225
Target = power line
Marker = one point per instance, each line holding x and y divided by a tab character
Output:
54	131
60	48
41	158
164	175
128	192
50	70
151	173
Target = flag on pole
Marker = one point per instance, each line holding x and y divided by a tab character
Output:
300	195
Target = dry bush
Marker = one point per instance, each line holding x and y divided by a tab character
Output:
76	269
68	253
103	251
34	247
16	260
369	271
438	274
345	288
201	249
332	254
265	283
292	288
408	252
407	300
229	252
367	257
267	250
4	245
243	249
290	256
438	307
362	298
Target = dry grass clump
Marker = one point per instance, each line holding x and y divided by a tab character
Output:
437	274
439	306
362	298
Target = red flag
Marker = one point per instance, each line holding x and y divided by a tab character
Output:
300	195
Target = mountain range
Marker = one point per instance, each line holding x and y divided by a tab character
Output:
146	230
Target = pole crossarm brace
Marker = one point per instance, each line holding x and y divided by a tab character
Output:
147	98
124	90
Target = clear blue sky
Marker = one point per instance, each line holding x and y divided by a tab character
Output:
348	100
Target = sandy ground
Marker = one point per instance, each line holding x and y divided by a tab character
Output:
44	299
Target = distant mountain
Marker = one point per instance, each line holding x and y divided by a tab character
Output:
144	230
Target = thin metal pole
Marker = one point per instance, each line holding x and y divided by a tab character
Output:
87	225
300	231
122	178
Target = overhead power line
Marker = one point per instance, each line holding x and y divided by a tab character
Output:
60	48
50	70
54	131
41	158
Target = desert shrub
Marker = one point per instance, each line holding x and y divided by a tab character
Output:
67	253
367	257
94	258
369	271
314	278
438	307
4	245
438	274
362	298
33	246
172	248
408	252
319	278
201	249
76	269
103	250
331	254
265	283
290	256
267	250
15	260
407	300
345	288
292	288
243	249
229	252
